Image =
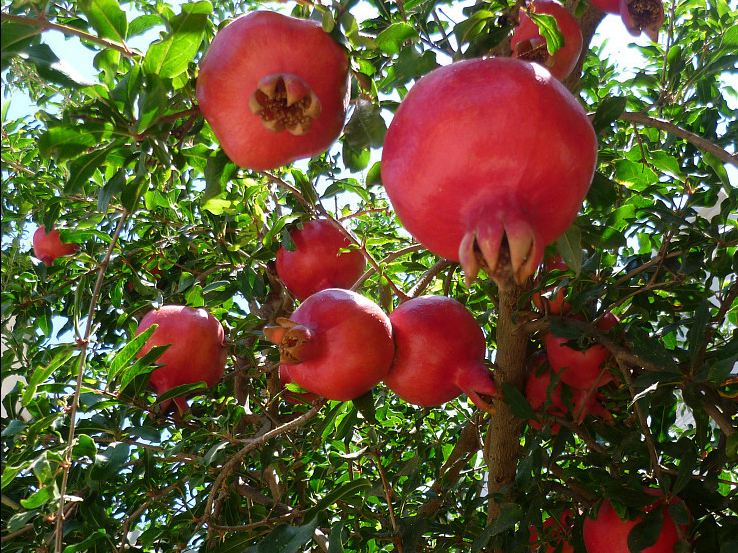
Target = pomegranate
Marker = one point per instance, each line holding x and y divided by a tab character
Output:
549	300
48	246
484	153
608	532
528	44
555	533
337	344
317	262
586	368
295	398
638	15
267	73
196	354
439	353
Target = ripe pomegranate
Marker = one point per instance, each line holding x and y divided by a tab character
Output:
47	247
528	44
196	354
267	73
544	300
439	353
586	368
337	344
555	532
295	398
317	262
486	152
608	532
638	15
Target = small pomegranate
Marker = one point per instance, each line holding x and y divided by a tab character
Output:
273	89
586	368
546	300
317	262
48	246
337	344
528	44
484	153
555	533
638	16
439	353
196	354
609	533
295	398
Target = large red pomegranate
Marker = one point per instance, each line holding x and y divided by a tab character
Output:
274	89
439	353
317	262
582	369
337	344
487	152
550	300
555	533
197	352
48	246
638	15
608	533
528	44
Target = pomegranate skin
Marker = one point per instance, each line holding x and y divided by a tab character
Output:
317	263
295	398
528	44
47	247
609	533
337	344
439	353
197	351
243	57
486	149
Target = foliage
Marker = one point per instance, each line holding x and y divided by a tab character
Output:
128	169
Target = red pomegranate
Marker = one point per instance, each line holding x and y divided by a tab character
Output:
439	353
273	89
638	15
586	368
528	44
609	533
196	354
47	247
317	262
486	152
549	300
555	533
295	398
336	344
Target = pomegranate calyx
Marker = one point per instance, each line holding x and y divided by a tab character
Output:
285	102
291	338
534	49
645	16
478	383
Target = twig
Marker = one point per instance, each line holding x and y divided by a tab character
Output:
428	277
390	257
388	497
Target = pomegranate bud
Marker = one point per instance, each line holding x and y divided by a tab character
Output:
285	102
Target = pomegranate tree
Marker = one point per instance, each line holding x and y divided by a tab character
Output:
638	16
48	246
439	353
273	89
528	44
488	160
196	354
337	344
609	533
317	261
551	300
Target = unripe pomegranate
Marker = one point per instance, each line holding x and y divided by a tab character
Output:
638	15
609	533
196	354
47	247
274	89
586	368
295	398
439	353
546	300
528	44
337	344
486	152
555	532
317	262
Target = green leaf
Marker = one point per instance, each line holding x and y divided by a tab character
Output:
393	37
85	447
51	68
510	514
645	533
608	111
366	127
69	141
517	403
41	497
107	18
152	103
15	36
142	366
41	374
216	173
285	539
184	389
129	352
549	30
213	451
83	167
344	492
570	248
171	56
